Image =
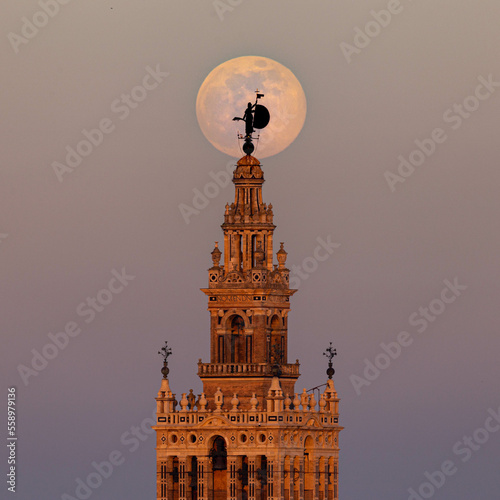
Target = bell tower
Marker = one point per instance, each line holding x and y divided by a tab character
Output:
248	299
248	435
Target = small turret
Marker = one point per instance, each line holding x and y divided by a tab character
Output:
281	256
216	255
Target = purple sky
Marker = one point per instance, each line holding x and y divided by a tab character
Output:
119	209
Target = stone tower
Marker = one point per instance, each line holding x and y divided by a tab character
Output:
249	435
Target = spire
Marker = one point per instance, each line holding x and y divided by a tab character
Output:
248	222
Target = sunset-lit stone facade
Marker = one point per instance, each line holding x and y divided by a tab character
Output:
249	435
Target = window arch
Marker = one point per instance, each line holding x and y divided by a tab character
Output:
218	453
237	329
309	467
277	344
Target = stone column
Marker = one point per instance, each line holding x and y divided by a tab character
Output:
322	479
252	466
288	478
335	479
161	482
316	478
301	478
294	473
183	477
326	478
269	249
279	480
271	478
226	253
203	476
231	479
237	250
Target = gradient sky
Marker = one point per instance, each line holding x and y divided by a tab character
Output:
120	209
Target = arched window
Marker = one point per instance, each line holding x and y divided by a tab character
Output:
237	324
218	454
277	341
237	329
309	467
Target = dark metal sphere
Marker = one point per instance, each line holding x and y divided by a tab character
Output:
165	371
248	147
330	371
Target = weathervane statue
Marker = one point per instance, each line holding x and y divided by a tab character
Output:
165	352
330	353
256	116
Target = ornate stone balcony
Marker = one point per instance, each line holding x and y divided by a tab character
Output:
246	369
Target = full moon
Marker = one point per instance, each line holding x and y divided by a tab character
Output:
230	86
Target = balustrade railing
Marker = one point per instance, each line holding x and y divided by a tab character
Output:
257	369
